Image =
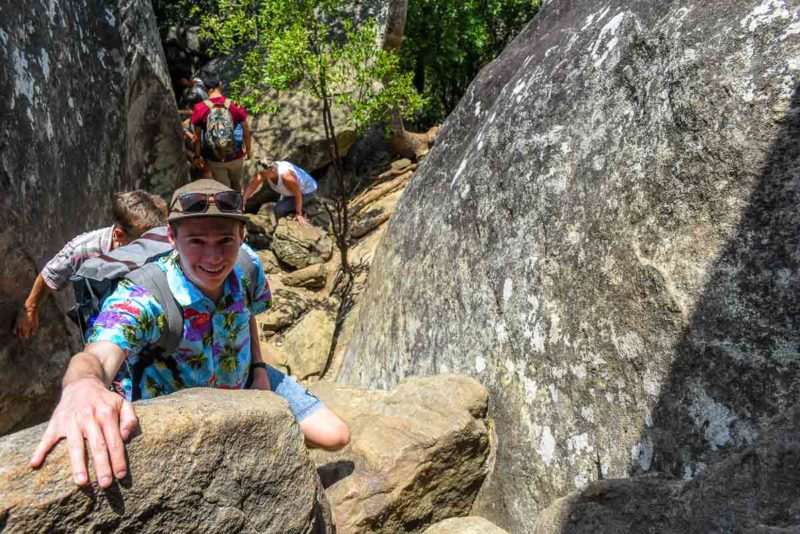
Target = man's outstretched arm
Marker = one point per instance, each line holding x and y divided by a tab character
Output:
252	187
28	318
88	409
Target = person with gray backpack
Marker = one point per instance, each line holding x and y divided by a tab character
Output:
174	319
133	212
216	120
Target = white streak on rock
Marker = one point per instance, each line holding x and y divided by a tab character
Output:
578	370
588	413
579	443
45	65
459	171
591	19
110	18
508	289
480	364
23	81
708	413
765	13
547	446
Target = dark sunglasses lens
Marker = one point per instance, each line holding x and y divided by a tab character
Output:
228	201
194	202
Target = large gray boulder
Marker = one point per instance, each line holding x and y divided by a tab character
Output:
87	110
205	460
605	235
751	491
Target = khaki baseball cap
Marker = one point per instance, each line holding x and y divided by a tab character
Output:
208	188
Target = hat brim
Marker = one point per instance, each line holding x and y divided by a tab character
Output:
219	215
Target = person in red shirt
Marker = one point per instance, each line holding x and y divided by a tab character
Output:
230	170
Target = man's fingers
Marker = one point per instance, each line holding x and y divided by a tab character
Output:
116	449
48	441
97	444
128	422
76	454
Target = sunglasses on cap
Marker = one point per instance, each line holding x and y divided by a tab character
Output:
225	201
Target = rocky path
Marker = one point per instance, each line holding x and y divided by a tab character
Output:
308	328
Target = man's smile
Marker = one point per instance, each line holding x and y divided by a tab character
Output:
210	270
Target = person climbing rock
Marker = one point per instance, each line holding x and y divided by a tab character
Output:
218	346
295	186
133	213
215	121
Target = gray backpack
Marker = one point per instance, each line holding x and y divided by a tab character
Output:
97	279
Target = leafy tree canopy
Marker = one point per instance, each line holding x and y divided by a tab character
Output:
448	41
288	44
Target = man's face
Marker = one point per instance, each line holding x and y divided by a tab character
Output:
208	247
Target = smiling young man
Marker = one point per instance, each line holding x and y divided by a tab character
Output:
219	345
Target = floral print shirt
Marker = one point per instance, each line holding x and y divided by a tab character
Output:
215	349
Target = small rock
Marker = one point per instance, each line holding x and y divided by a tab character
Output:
286	307
396	171
375	214
300	245
260	229
269	261
400	164
376	192
368	222
312	276
317	214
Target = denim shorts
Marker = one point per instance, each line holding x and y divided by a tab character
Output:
302	402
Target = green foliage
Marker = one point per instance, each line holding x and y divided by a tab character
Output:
448	41
179	12
286	44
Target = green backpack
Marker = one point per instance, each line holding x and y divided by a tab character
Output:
218	134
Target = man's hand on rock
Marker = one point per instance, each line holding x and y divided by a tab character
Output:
87	409
299	218
27	323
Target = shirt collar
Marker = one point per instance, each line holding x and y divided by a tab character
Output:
187	294
107	239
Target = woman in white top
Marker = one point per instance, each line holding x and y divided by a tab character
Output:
294	184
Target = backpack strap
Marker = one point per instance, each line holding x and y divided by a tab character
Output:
250	270
227	104
153	279
209	104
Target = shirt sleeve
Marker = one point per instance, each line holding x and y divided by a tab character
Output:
199	112
60	269
131	318
262	299
238	113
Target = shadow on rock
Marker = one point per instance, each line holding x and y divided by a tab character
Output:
333	472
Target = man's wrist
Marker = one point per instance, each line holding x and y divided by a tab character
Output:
258	365
86	378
